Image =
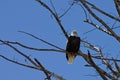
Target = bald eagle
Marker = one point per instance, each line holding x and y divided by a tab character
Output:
72	47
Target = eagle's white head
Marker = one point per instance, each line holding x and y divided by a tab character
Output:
74	33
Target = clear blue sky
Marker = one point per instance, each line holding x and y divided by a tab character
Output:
30	16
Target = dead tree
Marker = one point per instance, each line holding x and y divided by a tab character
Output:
112	72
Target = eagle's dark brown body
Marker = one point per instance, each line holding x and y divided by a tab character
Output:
72	48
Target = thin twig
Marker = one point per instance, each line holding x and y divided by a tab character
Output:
115	27
117	5
53	7
66	10
90	31
41	40
84	11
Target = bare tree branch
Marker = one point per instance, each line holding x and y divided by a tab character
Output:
25	65
19	52
41	40
53	7
100	20
98	27
117	5
89	45
96	67
66	10
103	12
29	59
43	69
55	16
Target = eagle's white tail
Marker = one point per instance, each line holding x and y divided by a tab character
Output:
71	58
